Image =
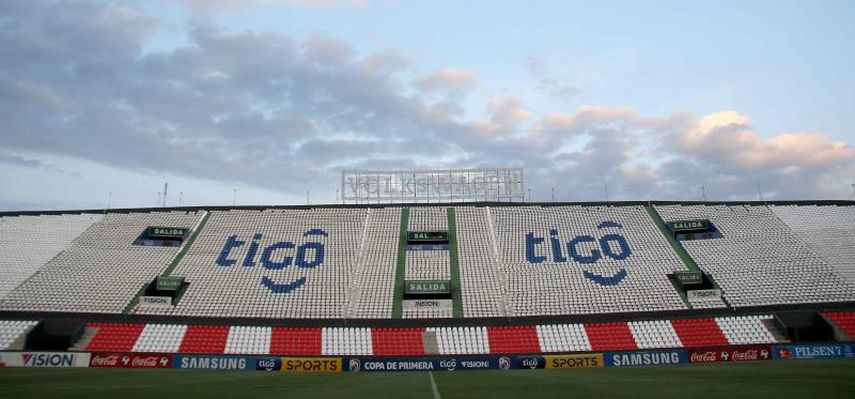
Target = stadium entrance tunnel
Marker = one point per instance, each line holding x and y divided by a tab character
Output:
805	326
54	335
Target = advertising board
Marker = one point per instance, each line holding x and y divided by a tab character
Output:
213	362
645	358
44	359
422	363
812	351
730	354
130	360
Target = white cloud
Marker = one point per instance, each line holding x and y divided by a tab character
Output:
249	3
447	79
264	110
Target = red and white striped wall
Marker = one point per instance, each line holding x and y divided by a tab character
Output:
550	338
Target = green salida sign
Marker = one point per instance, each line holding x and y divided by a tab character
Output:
430	287
689	225
427	236
689	278
166	232
168	283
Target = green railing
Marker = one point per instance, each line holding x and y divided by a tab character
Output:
456	297
400	268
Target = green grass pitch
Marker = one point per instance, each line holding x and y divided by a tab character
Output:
796	379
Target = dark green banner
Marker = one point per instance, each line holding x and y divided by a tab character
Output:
427	236
430	287
166	232
165	283
689	278
689	225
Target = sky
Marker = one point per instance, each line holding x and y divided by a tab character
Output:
266	102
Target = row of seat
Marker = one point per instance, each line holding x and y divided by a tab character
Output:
417	341
513	261
12	331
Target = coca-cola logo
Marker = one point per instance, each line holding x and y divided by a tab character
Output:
703	357
150	361
743	354
105	360
751	354
129	360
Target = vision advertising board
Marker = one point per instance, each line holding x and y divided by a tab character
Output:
156	302
44	359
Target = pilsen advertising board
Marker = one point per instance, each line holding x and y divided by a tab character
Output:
730	354
131	360
813	351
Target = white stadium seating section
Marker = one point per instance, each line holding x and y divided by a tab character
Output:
165	338
563	338
230	282
373	284
100	271
28	242
13	330
560	286
742	330
482	281
828	230
759	260
519	260
654	334
346	341
462	340
248	340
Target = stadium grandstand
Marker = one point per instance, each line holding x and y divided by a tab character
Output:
422	279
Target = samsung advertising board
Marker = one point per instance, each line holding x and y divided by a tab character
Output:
489	184
646	358
214	362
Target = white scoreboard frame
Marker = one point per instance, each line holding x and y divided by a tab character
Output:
444	185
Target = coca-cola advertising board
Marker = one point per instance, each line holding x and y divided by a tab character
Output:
730	354
131	360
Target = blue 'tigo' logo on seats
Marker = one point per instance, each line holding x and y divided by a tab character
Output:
277	256
610	245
